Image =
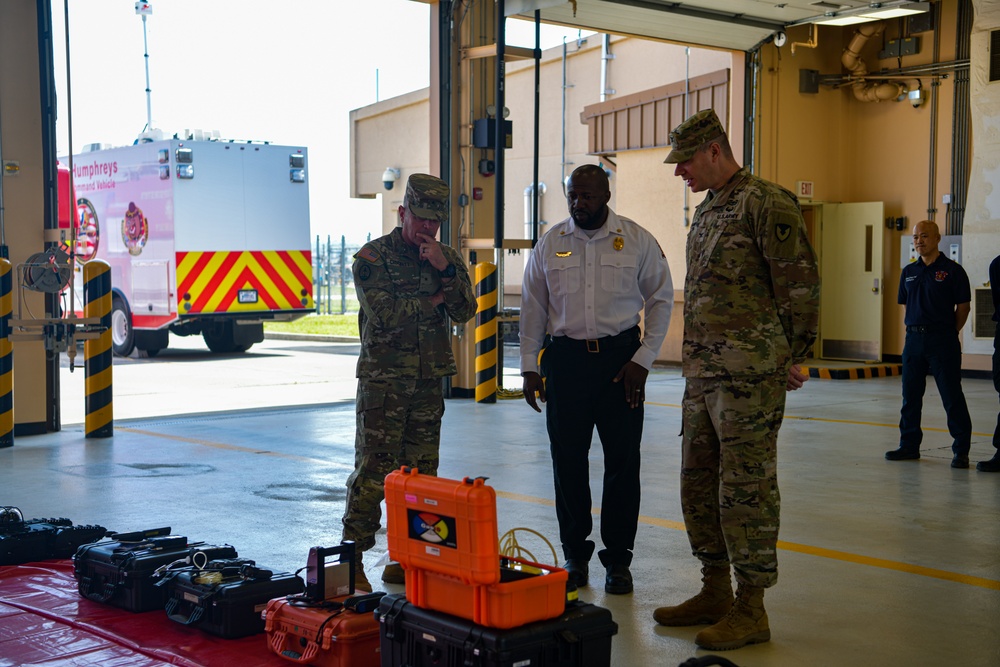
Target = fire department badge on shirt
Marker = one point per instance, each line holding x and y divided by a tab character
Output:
619	243
940	276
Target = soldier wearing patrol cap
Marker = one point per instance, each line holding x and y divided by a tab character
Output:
409	285
751	305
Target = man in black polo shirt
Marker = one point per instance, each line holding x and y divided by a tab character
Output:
993	465
936	293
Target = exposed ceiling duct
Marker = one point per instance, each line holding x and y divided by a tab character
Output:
868	91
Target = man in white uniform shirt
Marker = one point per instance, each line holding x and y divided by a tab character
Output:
585	284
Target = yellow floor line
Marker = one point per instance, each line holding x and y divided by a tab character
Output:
652	521
235	448
820	552
840	421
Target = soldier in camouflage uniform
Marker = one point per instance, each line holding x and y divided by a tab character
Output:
751	306
408	284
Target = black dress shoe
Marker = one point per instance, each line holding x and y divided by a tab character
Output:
903	455
960	461
993	465
618	580
577	570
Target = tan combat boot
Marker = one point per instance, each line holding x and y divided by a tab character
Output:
394	574
360	580
708	606
746	623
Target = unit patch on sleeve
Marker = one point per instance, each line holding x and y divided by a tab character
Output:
364	272
782	240
368	254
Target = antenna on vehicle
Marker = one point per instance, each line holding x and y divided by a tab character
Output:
145	9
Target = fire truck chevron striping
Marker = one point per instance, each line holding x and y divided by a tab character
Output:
203	236
211	282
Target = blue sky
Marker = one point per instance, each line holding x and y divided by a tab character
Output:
287	72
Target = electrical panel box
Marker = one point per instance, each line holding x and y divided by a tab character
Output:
808	80
484	132
983	325
950	246
897	48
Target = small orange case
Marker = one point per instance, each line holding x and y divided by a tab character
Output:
442	525
517	599
322	637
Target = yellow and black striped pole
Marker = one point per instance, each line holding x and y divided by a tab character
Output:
486	333
97	353
6	358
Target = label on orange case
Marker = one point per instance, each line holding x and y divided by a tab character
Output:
433	528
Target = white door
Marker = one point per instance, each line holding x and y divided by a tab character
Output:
850	325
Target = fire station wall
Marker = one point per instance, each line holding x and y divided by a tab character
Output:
852	151
637	65
640	182
650	194
981	237
858	151
393	133
23	193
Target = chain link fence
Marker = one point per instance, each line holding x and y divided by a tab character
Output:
333	280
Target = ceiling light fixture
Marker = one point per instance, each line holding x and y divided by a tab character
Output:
875	11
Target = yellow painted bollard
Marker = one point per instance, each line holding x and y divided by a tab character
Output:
97	352
6	358
486	333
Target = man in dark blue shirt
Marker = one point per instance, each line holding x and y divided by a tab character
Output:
993	465
937	295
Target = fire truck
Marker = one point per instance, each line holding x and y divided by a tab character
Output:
203	236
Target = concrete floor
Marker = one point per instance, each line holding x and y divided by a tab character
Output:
881	563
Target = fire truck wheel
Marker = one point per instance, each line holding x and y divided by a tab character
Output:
122	334
219	339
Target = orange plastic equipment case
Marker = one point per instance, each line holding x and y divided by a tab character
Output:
444	534
325	637
443	525
520	597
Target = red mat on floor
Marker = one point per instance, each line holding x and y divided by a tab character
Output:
45	621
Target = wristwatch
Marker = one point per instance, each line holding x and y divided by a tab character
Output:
448	271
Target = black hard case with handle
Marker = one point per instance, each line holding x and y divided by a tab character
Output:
231	606
125	570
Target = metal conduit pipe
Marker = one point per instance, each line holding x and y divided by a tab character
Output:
499	138
4	253
532	201
687	114
932	139
533	235
562	160
606	55
868	91
750	125
960	124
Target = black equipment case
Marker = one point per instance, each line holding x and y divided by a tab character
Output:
226	598
125	570
26	541
415	637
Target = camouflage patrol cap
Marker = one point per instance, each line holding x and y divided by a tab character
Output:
690	135
427	197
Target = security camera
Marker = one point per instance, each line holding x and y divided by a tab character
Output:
389	176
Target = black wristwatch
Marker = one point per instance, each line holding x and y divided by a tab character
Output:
448	271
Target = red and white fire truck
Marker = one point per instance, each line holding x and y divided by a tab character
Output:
203	236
